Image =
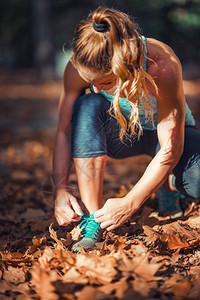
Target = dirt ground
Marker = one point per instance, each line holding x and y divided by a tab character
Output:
149	257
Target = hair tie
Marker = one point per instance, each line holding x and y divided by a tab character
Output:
102	27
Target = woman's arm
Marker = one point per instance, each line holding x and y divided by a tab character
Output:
170	126
167	74
73	87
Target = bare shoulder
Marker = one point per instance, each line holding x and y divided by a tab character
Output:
72	81
161	53
164	66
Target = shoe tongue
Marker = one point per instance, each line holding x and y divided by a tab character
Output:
89	217
90	225
86	220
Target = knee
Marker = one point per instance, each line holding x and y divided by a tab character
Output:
88	105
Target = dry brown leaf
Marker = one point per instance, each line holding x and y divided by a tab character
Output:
145	269
152	235
195	292
142	287
194	222
14	258
180	228
173	280
47	255
21	288
14	275
65	257
151	221
143	216
75	233
97	269
119	242
195	270
4	286
159	258
139	266
43	283
175	257
6	255
119	287
17	255
125	264
102	246
88	292
190	209
182	289
194	243
74	276
139	249
36	243
180	286
175	241
53	234
56	259
68	240
68	296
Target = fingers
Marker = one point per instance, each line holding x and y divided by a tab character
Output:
112	227
69	213
76	207
98	214
102	212
99	219
67	209
106	224
66	215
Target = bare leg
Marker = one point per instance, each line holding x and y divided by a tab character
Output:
168	184
89	172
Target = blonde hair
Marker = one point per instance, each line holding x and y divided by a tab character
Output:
118	50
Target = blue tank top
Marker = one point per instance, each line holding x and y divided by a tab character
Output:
145	120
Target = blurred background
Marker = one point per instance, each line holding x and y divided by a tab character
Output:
33	31
31	65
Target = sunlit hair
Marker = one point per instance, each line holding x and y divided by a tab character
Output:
119	50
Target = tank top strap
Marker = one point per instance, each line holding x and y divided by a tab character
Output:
145	53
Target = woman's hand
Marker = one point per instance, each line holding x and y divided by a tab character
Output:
66	209
114	213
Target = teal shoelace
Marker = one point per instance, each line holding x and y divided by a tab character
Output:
89	227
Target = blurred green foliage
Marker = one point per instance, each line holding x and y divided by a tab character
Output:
175	22
15	33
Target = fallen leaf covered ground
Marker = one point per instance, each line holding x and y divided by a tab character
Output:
149	257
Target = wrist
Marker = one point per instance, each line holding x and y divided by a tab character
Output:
132	203
60	190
